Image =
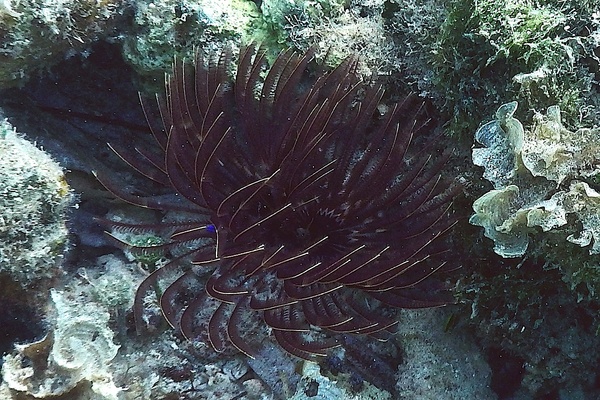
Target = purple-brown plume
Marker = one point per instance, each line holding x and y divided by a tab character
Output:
300	202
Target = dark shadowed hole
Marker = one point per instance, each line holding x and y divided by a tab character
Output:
507	372
553	395
19	322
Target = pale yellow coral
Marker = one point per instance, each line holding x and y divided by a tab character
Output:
526	178
552	151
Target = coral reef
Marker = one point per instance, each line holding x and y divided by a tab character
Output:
34	198
540	209
36	34
544	210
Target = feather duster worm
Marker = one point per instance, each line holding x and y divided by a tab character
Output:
307	208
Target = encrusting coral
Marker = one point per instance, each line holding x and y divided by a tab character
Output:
34	199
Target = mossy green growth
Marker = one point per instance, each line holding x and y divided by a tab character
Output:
151	253
37	34
162	30
490	52
282	19
337	29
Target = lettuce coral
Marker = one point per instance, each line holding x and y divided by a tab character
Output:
541	179
556	153
502	139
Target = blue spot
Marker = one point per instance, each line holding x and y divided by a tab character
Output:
211	228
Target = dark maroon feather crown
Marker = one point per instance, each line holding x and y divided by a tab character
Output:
302	204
